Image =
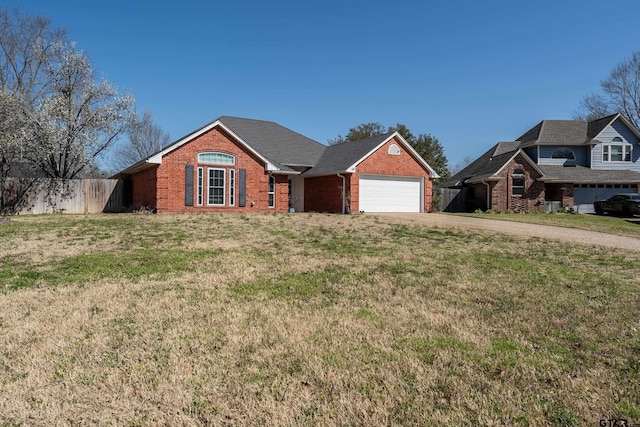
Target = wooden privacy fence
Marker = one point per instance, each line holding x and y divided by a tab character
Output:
42	195
451	200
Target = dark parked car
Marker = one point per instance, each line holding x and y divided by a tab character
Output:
623	204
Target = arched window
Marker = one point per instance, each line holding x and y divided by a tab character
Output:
617	139
517	182
394	149
563	153
216	158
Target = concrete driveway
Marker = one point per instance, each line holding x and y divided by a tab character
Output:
563	234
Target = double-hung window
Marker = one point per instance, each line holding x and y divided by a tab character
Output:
216	186
200	185
517	182
232	187
616	152
272	192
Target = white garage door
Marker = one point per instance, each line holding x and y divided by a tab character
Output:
390	194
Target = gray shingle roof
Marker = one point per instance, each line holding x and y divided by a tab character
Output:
339	157
556	132
278	144
486	165
564	132
585	175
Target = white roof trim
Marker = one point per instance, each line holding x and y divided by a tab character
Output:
526	157
157	158
406	145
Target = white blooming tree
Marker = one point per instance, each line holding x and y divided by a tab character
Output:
16	129
81	118
68	118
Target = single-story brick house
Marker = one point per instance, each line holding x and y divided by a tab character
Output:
557	163
236	165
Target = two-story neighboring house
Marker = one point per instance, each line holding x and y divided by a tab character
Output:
557	163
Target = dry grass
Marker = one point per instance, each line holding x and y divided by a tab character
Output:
309	319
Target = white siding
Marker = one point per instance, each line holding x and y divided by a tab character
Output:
297	193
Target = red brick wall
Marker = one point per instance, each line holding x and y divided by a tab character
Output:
324	193
503	200
560	192
143	188
171	175
382	163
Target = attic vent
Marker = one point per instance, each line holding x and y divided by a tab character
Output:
394	149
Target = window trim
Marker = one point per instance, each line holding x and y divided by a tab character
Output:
271	192
211	187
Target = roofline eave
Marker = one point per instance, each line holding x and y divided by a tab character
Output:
480	180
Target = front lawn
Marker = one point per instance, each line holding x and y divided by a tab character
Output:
310	319
605	224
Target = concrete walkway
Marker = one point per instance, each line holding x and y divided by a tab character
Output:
563	234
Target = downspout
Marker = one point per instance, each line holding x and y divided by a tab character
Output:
344	197
488	194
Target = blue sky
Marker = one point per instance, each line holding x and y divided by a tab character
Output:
470	73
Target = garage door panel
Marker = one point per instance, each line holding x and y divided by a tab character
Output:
583	198
390	194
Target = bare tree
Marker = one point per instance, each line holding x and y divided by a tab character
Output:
145	138
466	161
621	93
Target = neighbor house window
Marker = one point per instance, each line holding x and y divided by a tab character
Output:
200	185
216	187
272	192
394	149
563	153
616	152
517	182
